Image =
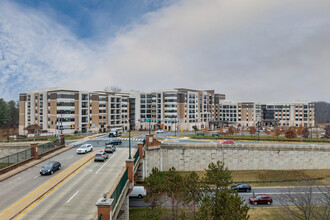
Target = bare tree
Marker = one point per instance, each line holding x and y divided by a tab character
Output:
308	202
112	89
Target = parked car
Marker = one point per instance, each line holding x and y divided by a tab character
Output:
101	156
243	187
138	191
110	149
227	142
114	142
50	168
84	149
160	131
261	199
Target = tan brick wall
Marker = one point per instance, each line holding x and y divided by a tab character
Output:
53	113
95	113
76	113
22	114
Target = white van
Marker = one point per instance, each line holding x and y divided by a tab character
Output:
138	191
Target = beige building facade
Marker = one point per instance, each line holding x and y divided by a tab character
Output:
172	110
68	111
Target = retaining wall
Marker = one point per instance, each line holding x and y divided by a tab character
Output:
196	157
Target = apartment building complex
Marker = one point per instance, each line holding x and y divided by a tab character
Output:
246	114
173	109
72	110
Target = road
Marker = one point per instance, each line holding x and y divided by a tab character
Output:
87	179
275	192
76	197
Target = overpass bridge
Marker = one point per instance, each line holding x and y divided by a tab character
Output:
116	206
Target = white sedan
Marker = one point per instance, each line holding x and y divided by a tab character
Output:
160	131
84	148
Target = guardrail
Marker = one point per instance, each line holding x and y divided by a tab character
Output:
119	188
15	158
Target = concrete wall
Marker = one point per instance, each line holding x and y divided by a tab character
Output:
11	148
196	157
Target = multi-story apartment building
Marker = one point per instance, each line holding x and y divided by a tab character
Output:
247	114
72	110
174	109
288	114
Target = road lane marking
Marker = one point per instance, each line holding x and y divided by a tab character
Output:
37	176
70	157
42	186
39	200
105	163
72	197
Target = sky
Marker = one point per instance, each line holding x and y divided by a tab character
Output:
255	50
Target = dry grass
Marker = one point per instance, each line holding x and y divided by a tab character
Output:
256	213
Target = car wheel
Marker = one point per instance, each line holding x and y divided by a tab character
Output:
59	167
248	190
51	172
268	203
255	203
140	196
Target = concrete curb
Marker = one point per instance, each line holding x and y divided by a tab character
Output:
41	191
33	163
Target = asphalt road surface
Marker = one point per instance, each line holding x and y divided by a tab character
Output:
76	197
16	187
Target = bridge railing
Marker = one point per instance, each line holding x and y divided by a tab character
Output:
136	156
43	148
119	188
15	158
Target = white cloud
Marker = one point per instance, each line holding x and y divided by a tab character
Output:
249	50
38	53
262	50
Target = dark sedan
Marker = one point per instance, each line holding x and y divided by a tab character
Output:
114	142
241	187
50	168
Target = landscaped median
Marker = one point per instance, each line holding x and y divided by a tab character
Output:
38	193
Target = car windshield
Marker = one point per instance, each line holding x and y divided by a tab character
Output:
48	165
258	197
83	146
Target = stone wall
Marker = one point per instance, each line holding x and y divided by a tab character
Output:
196	157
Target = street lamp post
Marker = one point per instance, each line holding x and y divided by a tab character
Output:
149	125
175	127
129	138
258	124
